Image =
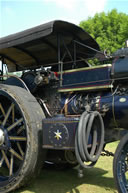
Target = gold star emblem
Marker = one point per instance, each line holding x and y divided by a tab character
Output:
58	135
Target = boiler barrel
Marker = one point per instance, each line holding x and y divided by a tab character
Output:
117	115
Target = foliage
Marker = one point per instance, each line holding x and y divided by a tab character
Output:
110	30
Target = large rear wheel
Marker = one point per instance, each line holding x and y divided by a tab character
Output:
120	165
21	154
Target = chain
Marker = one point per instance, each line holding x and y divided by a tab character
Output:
107	153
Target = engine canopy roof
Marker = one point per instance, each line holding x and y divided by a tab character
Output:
39	46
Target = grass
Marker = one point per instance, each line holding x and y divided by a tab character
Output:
96	180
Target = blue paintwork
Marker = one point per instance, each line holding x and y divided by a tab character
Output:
51	125
120	103
120	68
67	140
2	179
91	77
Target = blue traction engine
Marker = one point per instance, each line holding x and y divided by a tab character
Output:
56	108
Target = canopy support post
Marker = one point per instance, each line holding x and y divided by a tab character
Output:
60	63
74	62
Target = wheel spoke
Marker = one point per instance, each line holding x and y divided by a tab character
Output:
2	110
18	138
14	124
20	130
11	165
13	114
6	159
1	161
8	113
16	154
20	149
18	157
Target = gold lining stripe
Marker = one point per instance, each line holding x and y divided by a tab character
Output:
84	88
86	68
61	121
85	84
51	146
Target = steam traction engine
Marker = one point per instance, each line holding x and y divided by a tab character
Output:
59	108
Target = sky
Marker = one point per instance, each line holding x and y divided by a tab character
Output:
18	15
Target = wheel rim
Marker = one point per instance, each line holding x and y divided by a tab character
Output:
13	138
122	168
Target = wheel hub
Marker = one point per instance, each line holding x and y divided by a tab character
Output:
2	137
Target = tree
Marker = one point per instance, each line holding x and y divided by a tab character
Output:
109	30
